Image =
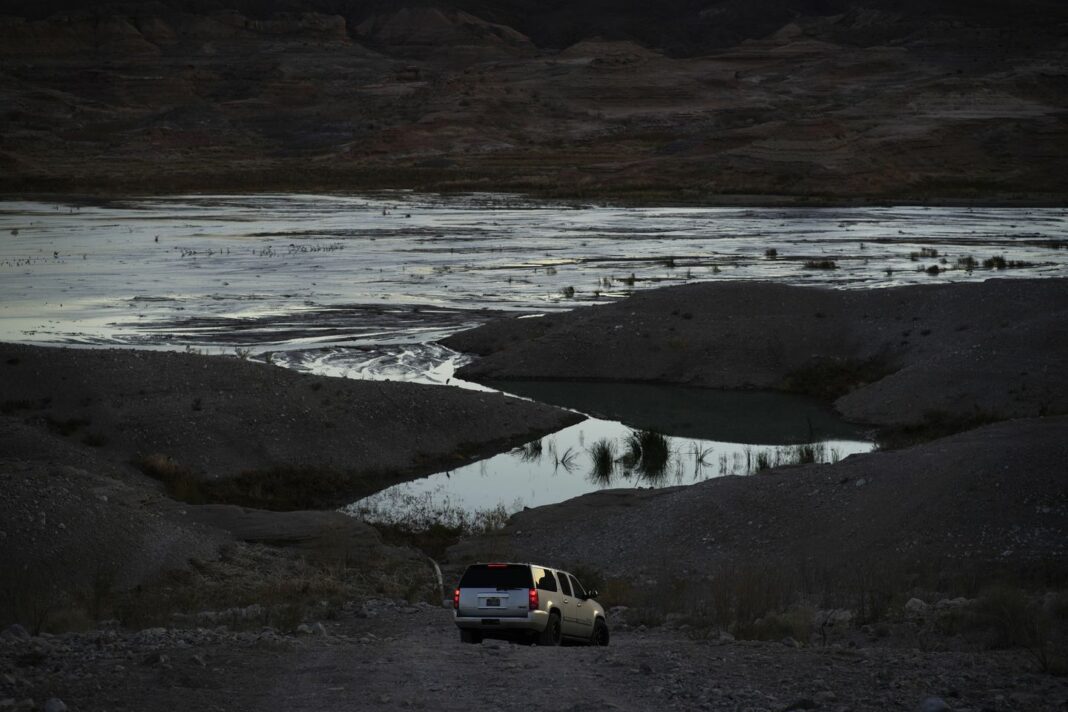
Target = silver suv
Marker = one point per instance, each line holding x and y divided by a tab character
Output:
534	604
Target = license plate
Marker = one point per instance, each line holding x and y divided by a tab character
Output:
493	601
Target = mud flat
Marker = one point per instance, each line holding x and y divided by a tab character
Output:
900	357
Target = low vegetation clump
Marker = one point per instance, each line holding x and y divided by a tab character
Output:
427	523
829	379
924	253
648	453
1000	263
933	425
282	488
603	457
821	264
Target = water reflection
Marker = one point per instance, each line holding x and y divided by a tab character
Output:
600	453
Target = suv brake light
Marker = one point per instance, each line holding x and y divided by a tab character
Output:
456	598
533	596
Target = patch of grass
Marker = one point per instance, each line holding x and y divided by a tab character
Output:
532	451
282	488
999	263
925	252
603	455
422	522
771	253
829	379
648	452
820	264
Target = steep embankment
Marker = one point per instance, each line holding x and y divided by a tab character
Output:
983	351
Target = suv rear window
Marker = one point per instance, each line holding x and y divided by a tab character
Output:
499	576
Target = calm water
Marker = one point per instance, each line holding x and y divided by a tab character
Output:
362	287
709	434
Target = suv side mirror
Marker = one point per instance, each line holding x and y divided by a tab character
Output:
592	594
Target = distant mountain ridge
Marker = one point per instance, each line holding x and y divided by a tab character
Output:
678	27
676	100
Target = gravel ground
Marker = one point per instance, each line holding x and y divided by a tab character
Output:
386	655
961	349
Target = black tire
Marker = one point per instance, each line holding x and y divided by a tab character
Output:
600	633
470	636
554	631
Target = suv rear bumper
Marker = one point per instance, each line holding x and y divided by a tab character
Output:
535	621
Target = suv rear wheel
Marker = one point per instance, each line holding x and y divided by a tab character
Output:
554	631
470	636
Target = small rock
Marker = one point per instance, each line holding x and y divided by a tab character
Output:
153	659
15	632
861	482
933	704
55	704
790	642
199	660
304	629
915	605
319	629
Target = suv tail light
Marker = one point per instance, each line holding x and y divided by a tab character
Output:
456	598
533	596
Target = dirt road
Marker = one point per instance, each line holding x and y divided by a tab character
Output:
389	655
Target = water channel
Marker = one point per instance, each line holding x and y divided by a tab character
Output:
363	287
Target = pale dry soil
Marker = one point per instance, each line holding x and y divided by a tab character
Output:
391	655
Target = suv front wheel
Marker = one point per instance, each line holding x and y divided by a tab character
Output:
600	633
554	631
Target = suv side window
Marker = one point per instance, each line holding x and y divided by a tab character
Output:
544	580
565	586
580	592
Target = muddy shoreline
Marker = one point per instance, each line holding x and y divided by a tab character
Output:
893	357
103	192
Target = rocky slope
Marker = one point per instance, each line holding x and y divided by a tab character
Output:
84	533
782	100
